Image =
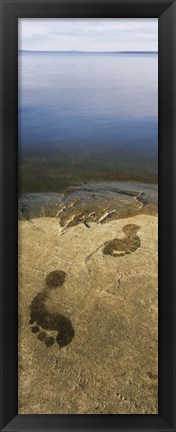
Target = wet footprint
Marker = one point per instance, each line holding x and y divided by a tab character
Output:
50	327
120	247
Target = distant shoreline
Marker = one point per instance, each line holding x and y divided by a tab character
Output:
88	52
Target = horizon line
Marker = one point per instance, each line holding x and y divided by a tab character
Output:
88	52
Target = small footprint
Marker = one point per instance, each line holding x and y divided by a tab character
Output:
130	243
50	327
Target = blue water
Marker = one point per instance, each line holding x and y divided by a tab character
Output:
85	114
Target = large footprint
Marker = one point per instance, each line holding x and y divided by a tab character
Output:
130	243
42	319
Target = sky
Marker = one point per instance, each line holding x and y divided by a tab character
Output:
87	34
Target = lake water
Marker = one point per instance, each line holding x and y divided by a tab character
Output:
87	118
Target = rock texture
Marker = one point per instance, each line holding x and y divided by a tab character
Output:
88	317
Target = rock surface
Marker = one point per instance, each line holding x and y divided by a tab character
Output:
108	363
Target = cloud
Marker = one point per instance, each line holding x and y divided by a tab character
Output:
88	34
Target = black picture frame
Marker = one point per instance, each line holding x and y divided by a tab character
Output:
165	11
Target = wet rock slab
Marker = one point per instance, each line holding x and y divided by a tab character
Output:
108	297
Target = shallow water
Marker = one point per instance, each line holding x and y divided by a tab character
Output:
86	118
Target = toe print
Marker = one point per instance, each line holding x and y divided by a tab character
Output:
42	335
120	247
35	329
50	327
55	279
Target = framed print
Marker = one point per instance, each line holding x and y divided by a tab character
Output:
88	215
